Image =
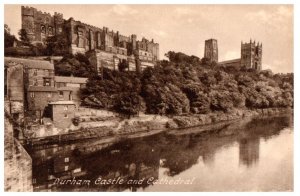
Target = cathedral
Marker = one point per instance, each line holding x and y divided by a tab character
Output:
251	55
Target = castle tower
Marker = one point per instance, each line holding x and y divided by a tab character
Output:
251	55
27	14
58	23
211	50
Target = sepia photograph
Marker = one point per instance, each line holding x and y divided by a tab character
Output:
148	97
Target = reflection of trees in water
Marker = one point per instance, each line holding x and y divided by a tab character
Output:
181	155
140	158
249	151
250	138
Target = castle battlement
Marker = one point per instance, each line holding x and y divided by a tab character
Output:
25	10
85	37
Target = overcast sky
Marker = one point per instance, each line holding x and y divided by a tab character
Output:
184	28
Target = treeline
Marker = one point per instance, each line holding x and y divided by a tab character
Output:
187	84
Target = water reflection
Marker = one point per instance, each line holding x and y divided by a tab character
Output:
142	161
249	151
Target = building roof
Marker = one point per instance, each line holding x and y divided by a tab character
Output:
62	103
41	89
30	63
70	79
229	61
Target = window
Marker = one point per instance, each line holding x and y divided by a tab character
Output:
66	167
49	95
66	159
47	82
35	72
43	29
70	96
50	31
32	94
66	107
61	93
66	116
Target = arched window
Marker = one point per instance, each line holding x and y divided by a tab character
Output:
256	50
50	30
43	29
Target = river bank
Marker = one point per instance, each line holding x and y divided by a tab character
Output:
146	125
187	121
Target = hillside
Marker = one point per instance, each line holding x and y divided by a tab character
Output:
186	84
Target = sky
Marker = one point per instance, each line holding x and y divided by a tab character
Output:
184	28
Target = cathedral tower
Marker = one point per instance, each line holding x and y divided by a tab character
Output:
211	50
251	55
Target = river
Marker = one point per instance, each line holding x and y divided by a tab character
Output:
248	155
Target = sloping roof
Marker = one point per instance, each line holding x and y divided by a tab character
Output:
229	61
70	79
30	63
41	89
62	103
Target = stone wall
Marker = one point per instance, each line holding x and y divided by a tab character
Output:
15	82
145	64
38	100
17	163
109	60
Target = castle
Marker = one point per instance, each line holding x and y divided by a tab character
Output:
251	55
104	47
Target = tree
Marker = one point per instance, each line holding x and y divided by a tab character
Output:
24	37
179	57
78	65
57	44
128	103
8	38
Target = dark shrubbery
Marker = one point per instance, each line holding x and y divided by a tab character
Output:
77	65
185	85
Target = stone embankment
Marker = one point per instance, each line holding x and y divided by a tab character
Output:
145	125
187	121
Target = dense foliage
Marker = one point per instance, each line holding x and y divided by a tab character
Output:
186	84
9	39
56	45
75	65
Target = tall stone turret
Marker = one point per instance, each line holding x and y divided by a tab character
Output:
211	50
251	55
27	14
58	23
